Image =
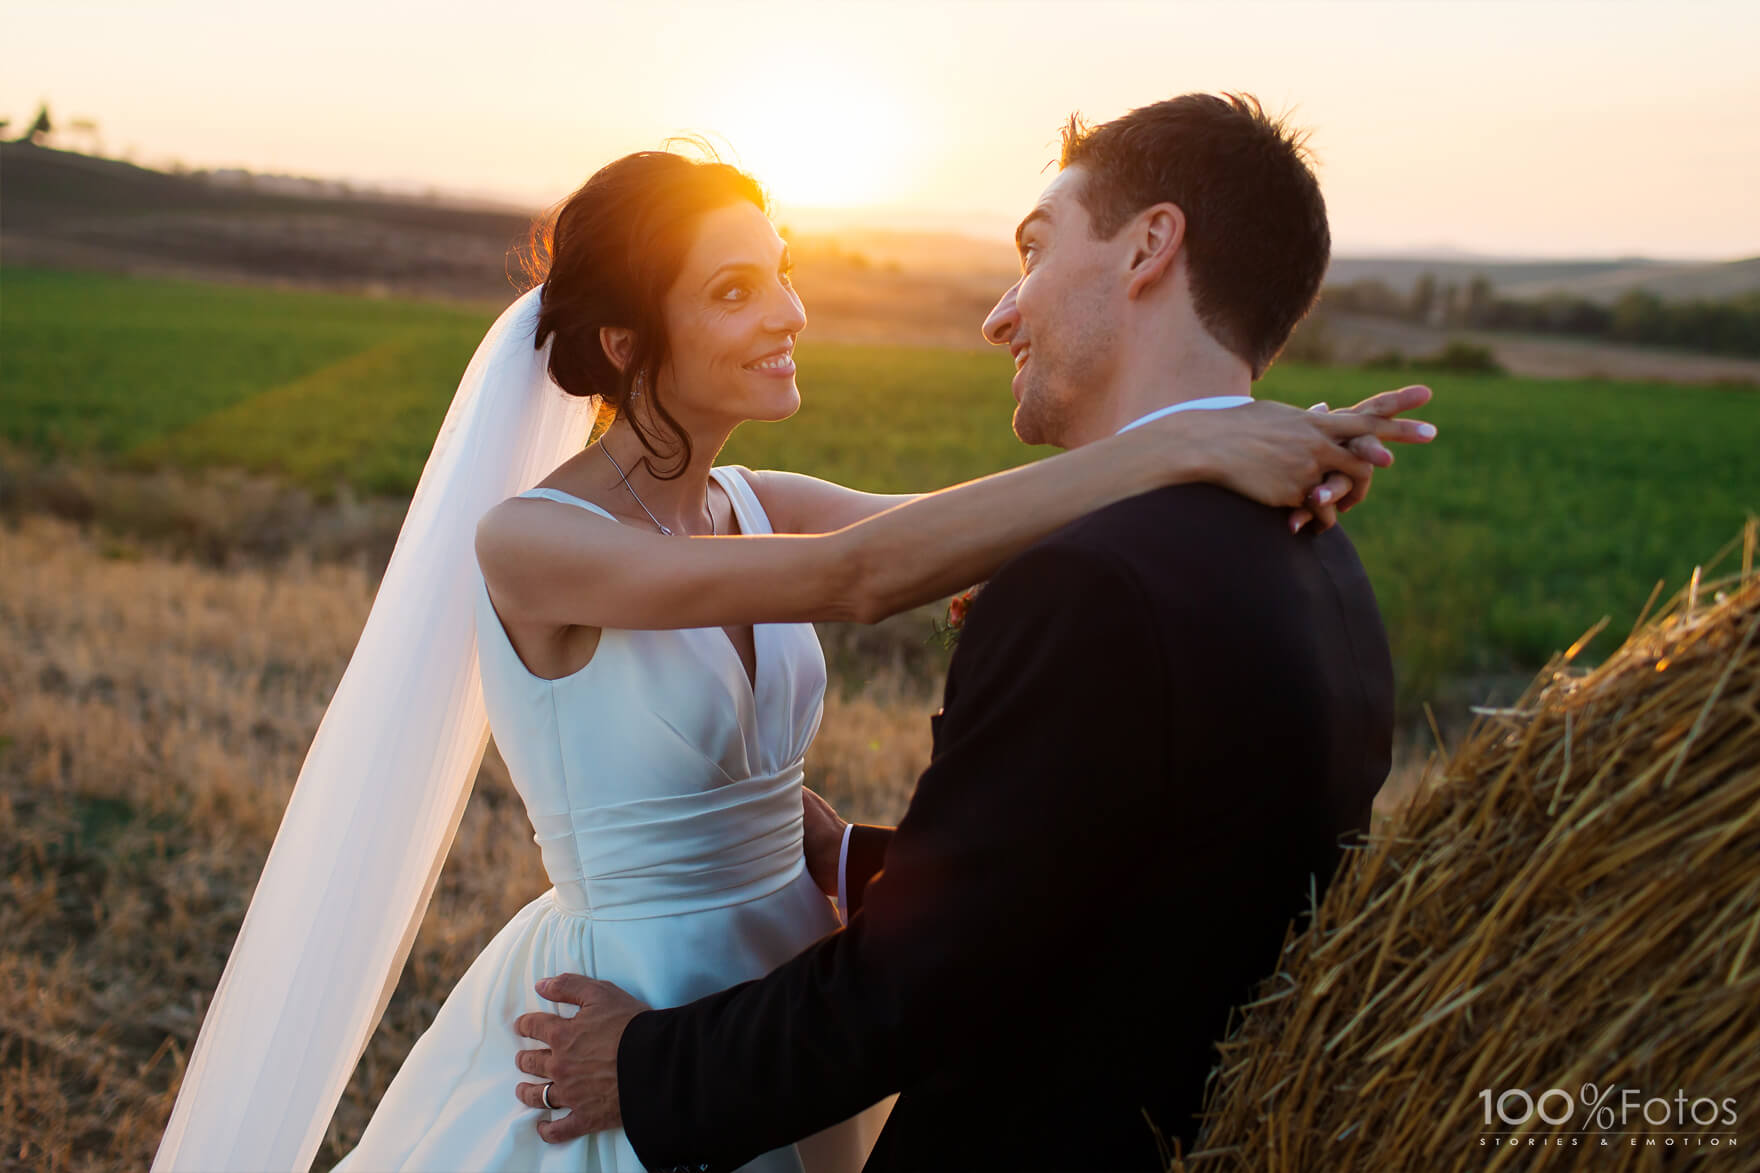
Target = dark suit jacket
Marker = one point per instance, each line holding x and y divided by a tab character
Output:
1159	722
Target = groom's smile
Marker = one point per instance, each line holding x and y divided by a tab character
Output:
1019	350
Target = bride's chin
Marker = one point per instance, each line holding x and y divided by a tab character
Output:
776	407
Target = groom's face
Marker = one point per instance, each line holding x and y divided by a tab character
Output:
1059	320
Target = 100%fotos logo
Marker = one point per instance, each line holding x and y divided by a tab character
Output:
1610	1111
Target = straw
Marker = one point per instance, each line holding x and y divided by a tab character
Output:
1572	898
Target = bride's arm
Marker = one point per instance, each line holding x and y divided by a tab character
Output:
551	563
801	504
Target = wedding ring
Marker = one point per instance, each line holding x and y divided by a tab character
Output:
547	1102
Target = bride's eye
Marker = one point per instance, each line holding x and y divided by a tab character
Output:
732	293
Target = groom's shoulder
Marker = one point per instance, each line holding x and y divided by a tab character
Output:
1145	528
1134	540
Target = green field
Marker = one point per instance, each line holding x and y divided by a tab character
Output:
1544	506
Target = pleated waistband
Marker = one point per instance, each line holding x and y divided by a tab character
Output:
678	853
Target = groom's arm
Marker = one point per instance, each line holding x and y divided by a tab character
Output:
864	854
859	860
1041	800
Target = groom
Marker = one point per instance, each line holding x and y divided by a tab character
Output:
1158	724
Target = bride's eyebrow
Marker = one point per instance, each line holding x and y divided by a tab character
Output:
741	267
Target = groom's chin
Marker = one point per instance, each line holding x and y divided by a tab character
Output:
1030	427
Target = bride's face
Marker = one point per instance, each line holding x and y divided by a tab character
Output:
731	318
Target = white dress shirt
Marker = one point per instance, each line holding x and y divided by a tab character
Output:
1209	403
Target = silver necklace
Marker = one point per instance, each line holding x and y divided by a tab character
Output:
639	501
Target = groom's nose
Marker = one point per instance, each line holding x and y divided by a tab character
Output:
1004	319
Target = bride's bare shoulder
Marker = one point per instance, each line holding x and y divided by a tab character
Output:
514	528
800	504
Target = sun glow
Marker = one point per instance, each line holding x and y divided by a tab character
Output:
822	141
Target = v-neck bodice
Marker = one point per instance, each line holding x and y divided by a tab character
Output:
657	725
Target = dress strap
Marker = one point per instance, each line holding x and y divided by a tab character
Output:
567	499
752	518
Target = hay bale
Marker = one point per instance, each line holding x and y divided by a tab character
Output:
1573	899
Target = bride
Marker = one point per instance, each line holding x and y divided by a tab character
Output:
653	695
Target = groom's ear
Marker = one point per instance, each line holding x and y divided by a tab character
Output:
619	342
1155	238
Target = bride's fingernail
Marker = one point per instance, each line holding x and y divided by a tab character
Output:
1323	495
1427	430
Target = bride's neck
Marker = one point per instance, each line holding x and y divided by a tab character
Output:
680	502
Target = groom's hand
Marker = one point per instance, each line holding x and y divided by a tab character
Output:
1339	493
579	1062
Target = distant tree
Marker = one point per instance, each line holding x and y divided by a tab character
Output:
1480	295
41	127
1366	296
1449	303
1565	314
1424	298
1310	342
1639	316
1387	360
1466	357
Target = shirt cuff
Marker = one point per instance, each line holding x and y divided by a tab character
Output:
843	875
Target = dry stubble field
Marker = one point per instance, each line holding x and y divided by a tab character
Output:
153	716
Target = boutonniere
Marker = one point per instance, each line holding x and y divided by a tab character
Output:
957	607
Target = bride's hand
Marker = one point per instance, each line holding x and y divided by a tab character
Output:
1341	493
823	833
1277	455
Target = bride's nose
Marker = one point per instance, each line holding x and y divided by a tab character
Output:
786	313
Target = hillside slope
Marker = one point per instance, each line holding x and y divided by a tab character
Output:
61	209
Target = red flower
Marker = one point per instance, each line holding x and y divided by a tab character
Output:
957	607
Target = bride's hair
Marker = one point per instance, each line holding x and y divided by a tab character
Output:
607	256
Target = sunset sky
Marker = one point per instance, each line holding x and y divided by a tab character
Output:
1498	127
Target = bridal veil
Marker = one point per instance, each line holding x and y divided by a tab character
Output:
379	797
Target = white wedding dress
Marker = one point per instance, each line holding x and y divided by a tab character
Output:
665	793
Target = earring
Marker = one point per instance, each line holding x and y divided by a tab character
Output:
636	387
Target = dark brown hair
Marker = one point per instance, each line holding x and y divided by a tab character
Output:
607	256
1256	242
